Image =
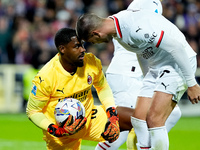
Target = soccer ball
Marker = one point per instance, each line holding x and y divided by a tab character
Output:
66	107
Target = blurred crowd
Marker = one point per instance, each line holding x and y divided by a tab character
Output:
27	27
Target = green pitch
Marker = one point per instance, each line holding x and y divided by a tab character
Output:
18	133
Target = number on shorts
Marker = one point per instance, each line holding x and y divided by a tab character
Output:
94	112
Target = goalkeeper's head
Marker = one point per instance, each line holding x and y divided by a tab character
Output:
70	48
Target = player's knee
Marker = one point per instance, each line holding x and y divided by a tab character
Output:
154	120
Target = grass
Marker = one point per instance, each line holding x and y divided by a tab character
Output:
186	134
18	133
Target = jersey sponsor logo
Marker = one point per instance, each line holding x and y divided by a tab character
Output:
58	90
81	96
34	90
152	38
147	53
89	79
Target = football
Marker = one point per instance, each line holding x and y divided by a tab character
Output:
68	106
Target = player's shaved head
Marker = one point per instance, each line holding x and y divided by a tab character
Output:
86	24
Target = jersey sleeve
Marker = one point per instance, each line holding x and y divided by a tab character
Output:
35	114
37	101
173	41
177	50
103	89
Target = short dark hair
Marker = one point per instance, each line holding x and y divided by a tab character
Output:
85	24
63	36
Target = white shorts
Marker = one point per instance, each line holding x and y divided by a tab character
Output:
167	80
125	89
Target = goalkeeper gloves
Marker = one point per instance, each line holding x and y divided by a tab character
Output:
112	130
68	127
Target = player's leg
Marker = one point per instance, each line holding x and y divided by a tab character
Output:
142	106
161	107
125	136
125	92
96	124
115	145
125	114
141	127
53	143
131	140
173	118
139	122
170	87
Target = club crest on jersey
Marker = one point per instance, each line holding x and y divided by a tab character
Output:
34	90
89	79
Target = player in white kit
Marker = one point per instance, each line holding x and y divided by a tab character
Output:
125	79
166	59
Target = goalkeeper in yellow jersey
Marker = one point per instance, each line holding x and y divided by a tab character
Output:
72	73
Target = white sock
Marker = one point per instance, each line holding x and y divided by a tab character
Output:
114	145
173	118
159	138
141	130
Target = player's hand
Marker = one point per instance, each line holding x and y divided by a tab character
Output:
77	125
68	127
112	130
194	93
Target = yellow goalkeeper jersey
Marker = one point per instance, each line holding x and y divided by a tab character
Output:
53	83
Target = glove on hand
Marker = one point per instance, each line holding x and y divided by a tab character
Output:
68	127
112	130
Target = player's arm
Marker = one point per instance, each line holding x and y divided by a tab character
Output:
104	92
177	50
35	114
174	45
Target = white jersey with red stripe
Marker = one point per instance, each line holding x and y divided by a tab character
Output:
124	62
155	40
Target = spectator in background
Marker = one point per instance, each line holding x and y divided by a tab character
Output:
53	15
6	53
29	76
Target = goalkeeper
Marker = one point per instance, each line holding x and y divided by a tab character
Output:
72	73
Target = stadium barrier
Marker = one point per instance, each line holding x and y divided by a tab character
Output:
11	91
